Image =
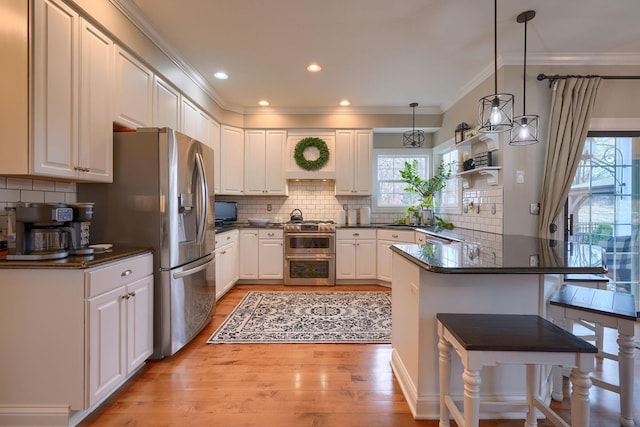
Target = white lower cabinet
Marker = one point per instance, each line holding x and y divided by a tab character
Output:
386	238
227	265
262	254
119	340
356	253
92	327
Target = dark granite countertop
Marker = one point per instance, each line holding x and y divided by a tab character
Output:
98	258
511	254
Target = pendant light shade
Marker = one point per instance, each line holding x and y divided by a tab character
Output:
495	113
413	138
525	127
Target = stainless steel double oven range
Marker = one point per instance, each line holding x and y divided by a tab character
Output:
310	253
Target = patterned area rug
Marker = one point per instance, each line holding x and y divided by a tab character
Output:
308	317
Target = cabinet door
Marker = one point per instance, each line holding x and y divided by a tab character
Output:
384	260
344	162
215	144
366	259
254	162
55	86
107	317
95	148
190	118
345	259
271	259
250	252
363	161
166	105
275	182
231	160
133	83
139	322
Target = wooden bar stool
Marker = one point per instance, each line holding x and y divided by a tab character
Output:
494	339
595	281
606	309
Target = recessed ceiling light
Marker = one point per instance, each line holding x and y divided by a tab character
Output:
263	103
313	68
345	103
221	75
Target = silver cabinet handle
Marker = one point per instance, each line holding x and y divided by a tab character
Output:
132	294
126	273
395	236
356	234
127	296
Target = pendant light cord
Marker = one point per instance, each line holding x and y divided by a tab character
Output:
524	70
495	46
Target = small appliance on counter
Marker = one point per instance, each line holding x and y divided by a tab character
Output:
41	231
78	228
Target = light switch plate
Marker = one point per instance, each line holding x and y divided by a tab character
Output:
534	208
519	177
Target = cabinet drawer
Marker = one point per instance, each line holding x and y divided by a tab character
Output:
406	236
226	238
116	274
272	233
356	233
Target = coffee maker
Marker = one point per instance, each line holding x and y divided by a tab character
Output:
41	231
78	228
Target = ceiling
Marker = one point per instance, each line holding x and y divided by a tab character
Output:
379	54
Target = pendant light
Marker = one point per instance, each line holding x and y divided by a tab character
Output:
525	128
413	138
496	111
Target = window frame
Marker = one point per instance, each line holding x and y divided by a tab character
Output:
398	152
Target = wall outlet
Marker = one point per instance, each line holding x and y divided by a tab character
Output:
534	208
519	177
269	207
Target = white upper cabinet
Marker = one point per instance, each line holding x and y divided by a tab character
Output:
72	104
231	163
95	147
215	144
264	162
190	115
354	157
166	105
133	90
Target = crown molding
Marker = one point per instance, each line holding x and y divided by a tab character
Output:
340	110
137	18
577	58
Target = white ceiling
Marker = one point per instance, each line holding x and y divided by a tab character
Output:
379	54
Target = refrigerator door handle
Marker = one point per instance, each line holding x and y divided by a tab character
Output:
202	220
188	272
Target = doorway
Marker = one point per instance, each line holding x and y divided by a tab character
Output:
603	206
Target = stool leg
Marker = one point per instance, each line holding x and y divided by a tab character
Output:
444	364
472	382
580	384
556	371
625	375
532	378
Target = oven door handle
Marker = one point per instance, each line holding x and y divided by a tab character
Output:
311	256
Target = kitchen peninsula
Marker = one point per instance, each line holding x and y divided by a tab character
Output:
507	274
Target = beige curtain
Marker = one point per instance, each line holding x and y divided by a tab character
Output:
571	107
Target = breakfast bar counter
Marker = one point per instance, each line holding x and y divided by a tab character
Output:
496	274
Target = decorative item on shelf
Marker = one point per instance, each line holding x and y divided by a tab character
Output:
496	111
461	132
525	128
413	138
468	164
311	142
481	160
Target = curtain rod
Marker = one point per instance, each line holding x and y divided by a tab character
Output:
559	77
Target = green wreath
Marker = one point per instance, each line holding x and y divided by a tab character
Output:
311	165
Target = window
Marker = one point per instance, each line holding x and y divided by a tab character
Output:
389	188
451	195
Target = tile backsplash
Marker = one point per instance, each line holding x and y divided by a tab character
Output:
14	190
316	199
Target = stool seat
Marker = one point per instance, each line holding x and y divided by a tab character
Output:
494	339
615	310
597	301
511	332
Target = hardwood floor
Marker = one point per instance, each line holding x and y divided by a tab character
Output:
319	385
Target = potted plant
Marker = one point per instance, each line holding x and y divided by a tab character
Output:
426	189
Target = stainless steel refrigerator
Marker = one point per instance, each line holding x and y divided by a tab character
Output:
162	197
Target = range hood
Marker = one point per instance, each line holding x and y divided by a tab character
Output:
293	171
